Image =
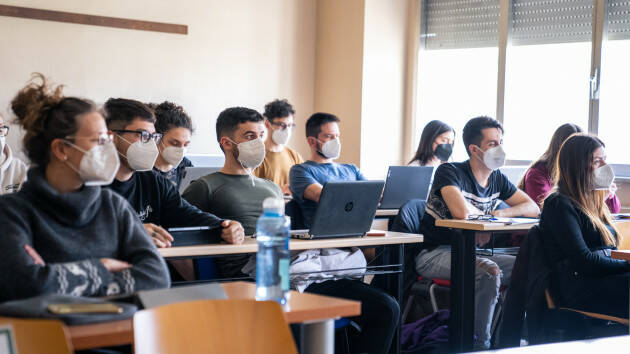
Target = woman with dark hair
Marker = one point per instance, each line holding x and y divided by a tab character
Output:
537	182
436	144
62	233
176	128
578	232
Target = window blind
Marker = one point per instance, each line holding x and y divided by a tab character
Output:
618	19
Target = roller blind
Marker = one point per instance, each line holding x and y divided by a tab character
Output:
618	19
460	24
551	21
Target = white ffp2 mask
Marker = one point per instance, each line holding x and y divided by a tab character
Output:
99	165
141	156
331	149
173	155
281	136
494	158
251	153
603	177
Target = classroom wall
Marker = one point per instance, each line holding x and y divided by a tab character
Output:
244	52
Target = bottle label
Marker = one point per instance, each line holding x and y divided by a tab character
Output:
284	273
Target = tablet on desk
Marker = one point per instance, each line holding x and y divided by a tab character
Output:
194	235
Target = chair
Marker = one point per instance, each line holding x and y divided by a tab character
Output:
213	326
38	336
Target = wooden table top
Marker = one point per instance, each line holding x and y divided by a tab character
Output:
481	225
250	245
301	307
620	254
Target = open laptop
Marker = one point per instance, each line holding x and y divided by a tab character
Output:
159	297
194	235
345	209
405	183
194	173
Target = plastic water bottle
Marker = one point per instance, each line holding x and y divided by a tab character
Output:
272	259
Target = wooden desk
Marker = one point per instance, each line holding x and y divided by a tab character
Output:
461	326
302	307
621	254
386	212
250	245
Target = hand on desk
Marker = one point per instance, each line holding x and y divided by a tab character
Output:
232	232
160	237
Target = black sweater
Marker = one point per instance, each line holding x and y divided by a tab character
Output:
71	232
568	236
157	201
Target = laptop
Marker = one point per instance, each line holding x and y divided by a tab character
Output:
159	297
195	235
192	174
405	183
345	209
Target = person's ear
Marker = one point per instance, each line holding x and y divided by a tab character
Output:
226	143
59	149
472	148
312	141
267	124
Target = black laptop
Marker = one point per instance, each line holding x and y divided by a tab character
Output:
194	235
405	183
345	209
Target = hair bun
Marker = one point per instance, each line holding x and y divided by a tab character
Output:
31	103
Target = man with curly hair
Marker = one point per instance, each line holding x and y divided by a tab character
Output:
176	128
279	158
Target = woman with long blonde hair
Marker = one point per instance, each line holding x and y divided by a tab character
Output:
578	232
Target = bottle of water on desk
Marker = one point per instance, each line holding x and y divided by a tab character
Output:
272	259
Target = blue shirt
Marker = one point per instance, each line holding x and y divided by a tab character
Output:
303	175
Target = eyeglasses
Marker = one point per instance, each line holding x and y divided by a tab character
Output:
145	136
284	126
486	217
102	139
4	130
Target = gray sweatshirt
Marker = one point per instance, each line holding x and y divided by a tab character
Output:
71	232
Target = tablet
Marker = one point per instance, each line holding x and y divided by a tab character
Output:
195	235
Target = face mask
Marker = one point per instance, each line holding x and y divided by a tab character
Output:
141	156
331	149
281	136
443	151
494	158
173	155
98	165
604	177
251	153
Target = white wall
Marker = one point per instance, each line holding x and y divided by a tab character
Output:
237	52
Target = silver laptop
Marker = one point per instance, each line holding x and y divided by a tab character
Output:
405	183
160	297
345	209
192	174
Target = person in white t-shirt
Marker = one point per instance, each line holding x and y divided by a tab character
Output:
12	169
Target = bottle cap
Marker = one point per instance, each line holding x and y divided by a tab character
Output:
273	206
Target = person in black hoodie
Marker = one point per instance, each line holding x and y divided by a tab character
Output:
155	198
61	233
578	232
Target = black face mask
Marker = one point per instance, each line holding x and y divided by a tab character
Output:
443	151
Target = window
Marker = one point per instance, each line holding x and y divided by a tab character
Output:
457	67
546	63
614	102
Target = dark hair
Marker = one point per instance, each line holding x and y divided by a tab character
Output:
575	180
120	112
473	130
230	118
46	115
431	131
548	159
315	122
278	109
168	115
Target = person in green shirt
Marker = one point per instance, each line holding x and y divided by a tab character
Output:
234	192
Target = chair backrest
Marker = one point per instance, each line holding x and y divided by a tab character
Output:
624	229
409	217
292	210
213	326
38	336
